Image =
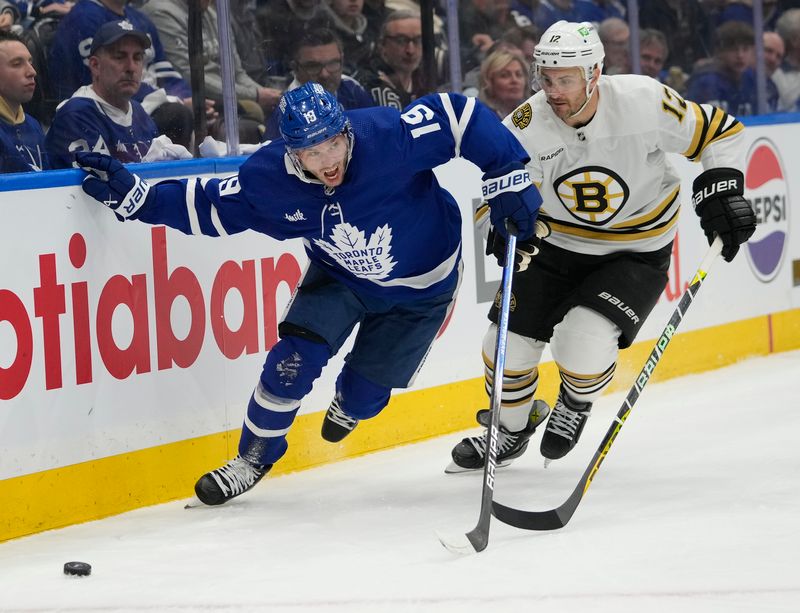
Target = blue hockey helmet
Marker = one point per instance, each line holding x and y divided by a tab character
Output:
310	115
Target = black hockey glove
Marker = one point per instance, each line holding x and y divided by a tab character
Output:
722	209
511	195
110	183
525	251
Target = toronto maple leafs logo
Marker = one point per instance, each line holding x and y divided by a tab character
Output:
368	259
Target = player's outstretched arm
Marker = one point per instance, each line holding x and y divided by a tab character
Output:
719	202
212	207
512	196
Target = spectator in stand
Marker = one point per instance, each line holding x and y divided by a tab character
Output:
249	39
471	81
616	38
283	23
728	81
104	116
687	24
524	38
164	93
742	10
21	137
318	57
394	78
26	11
504	82
255	102
595	11
774	50
653	53
481	24
352	27
787	77
9	15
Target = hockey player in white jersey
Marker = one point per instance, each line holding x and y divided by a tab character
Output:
598	149
382	237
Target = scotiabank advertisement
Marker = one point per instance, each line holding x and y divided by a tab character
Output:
121	336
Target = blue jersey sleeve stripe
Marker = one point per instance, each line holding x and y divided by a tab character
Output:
466	114
455	129
458	125
194	222
214	213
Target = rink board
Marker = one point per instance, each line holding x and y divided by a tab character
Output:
128	352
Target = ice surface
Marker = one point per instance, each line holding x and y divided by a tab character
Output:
695	509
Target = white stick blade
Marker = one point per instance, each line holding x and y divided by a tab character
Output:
456	543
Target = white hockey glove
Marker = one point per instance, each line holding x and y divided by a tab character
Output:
512	196
110	183
722	209
525	251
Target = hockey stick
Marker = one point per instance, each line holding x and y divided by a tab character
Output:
558	517
478	538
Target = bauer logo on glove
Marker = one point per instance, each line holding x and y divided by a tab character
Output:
513	182
719	202
512	197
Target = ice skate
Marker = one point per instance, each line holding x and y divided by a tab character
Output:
470	453
564	427
337	423
229	481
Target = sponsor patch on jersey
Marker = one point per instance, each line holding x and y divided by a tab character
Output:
545	157
767	191
521	117
592	194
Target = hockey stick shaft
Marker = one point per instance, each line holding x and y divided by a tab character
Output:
479	536
558	517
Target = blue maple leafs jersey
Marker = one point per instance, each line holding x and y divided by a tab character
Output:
389	228
87	123
22	146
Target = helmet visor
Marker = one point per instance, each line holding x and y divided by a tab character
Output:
559	81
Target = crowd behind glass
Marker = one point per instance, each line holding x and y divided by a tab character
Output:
366	52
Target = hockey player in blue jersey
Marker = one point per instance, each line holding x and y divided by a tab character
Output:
383	240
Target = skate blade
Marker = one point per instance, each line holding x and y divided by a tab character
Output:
195	503
454	469
547	462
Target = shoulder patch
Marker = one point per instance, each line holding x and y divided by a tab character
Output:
521	117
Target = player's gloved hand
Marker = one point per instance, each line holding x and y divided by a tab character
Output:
722	209
511	195
112	184
525	251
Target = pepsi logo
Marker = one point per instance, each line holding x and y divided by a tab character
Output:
767	192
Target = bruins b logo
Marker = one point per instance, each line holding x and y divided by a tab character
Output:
592	194
521	117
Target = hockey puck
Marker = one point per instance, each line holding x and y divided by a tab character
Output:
78	569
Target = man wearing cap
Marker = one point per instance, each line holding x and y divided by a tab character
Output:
103	117
163	92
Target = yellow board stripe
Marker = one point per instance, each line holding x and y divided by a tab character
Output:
107	486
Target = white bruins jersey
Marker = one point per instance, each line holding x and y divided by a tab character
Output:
608	185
